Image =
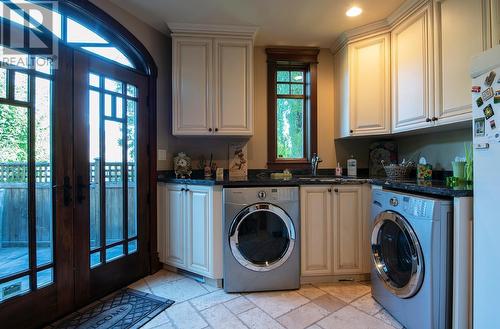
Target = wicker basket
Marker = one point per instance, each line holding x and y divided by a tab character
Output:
394	171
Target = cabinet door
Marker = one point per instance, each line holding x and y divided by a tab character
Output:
455	44
341	93
199	229
175	251
233	87
348	243
162	214
369	78
316	230
412	78
192	86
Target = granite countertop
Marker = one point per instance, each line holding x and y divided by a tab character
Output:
262	178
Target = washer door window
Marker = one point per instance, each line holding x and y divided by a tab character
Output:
262	237
397	255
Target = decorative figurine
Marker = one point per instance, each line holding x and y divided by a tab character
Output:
182	166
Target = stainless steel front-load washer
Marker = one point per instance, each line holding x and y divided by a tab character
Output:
261	239
411	254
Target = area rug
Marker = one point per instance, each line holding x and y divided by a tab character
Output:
125	309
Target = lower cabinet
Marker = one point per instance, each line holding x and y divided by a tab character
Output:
190	228
335	227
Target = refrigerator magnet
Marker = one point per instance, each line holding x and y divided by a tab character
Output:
476	89
493	125
488	112
490	78
479	125
487	94
496	99
479	102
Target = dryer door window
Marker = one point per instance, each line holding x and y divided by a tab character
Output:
397	255
262	237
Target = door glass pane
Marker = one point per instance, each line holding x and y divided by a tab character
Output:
45	277
119	107
94	158
110	53
108	111
95	259
43	171
114	181
3	83
132	168
20	87
14	288
263	238
13	190
290	128
132	246
114	252
81	34
396	253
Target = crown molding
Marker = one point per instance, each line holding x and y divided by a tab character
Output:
209	29
381	26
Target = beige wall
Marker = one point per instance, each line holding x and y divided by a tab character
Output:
257	144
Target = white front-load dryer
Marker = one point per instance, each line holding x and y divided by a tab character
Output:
411	258
261	239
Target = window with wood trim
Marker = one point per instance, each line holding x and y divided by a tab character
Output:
292	107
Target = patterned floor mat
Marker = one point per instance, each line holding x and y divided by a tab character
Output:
126	309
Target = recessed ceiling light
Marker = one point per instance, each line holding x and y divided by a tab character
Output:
354	11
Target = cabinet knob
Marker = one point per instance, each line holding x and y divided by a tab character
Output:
216	129
351	131
183	189
336	190
434	119
187	190
428	120
210	129
329	190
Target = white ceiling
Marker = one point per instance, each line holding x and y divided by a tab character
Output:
280	22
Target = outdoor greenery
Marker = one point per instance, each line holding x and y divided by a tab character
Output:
14	121
290	114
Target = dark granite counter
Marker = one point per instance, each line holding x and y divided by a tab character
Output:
434	187
262	178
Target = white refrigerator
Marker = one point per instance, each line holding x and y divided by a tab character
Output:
485	73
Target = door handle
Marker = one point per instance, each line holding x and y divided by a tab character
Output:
66	190
80	197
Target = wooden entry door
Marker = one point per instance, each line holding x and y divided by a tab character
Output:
111	177
36	201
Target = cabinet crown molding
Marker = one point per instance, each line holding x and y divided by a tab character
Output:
244	31
381	26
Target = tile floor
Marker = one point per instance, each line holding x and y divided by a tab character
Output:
335	305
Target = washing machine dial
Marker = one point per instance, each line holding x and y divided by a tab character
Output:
394	202
261	195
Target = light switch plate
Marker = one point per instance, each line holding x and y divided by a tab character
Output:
162	155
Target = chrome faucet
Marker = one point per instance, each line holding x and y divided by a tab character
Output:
315	160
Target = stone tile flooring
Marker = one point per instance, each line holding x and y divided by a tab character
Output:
322	306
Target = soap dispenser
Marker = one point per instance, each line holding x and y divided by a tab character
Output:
352	167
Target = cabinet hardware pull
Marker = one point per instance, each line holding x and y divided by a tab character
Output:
183	189
336	190
329	190
216	129
434	119
352	131
428	120
210	129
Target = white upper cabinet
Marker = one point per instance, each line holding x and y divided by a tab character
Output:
412	72
192	85
234	83
362	87
459	35
212	80
369	90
